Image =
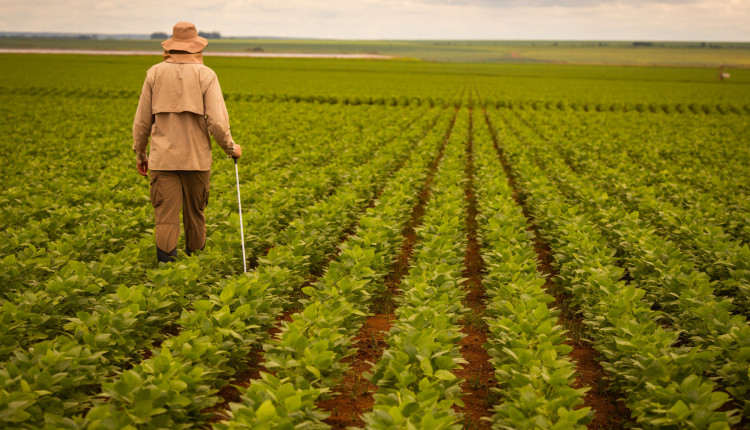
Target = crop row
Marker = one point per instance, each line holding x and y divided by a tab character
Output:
67	197
694	166
692	227
219	334
235	97
67	194
305	358
534	372
656	108
685	294
661	378
39	311
57	183
416	384
106	339
103	226
693	108
703	153
95	334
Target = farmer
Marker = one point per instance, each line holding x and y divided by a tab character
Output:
181	103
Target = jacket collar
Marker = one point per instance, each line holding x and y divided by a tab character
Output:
196	58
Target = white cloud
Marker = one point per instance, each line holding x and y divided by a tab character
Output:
395	19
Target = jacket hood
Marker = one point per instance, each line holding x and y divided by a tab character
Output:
196	58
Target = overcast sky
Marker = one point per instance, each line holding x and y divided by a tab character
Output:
700	20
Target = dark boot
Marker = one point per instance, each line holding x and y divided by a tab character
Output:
166	257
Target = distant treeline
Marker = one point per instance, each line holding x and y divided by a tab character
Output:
211	35
672	45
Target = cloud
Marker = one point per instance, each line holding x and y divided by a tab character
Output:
396	19
555	3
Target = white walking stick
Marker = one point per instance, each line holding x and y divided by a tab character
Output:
239	204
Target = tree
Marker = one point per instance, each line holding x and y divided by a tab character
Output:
211	35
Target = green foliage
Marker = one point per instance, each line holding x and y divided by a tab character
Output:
646	361
686	278
526	344
415	376
635	177
310	349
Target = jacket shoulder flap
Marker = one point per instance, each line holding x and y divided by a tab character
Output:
179	87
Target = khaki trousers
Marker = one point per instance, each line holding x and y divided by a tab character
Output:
172	190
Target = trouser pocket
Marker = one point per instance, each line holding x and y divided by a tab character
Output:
166	197
156	195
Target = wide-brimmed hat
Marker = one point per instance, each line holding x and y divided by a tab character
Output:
185	38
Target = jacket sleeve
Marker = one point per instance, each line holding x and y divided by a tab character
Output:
217	117
143	121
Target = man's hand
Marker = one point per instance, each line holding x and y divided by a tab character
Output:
236	151
142	167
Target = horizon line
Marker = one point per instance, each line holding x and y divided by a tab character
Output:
141	36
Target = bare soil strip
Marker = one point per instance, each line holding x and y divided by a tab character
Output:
230	393
478	374
610	413
355	392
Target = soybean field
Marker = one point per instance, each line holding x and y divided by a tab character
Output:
429	245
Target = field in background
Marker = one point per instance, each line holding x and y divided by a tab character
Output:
341	79
699	54
559	246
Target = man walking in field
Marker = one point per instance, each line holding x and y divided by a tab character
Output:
181	103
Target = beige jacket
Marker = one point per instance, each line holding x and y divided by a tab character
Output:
181	103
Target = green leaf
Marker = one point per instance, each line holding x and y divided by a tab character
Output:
314	370
445	375
680	410
266	412
293	403
227	293
123	292
178	385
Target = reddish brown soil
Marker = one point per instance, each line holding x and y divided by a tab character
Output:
734	405
610	413
478	373
479	379
168	330
230	393
355	393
